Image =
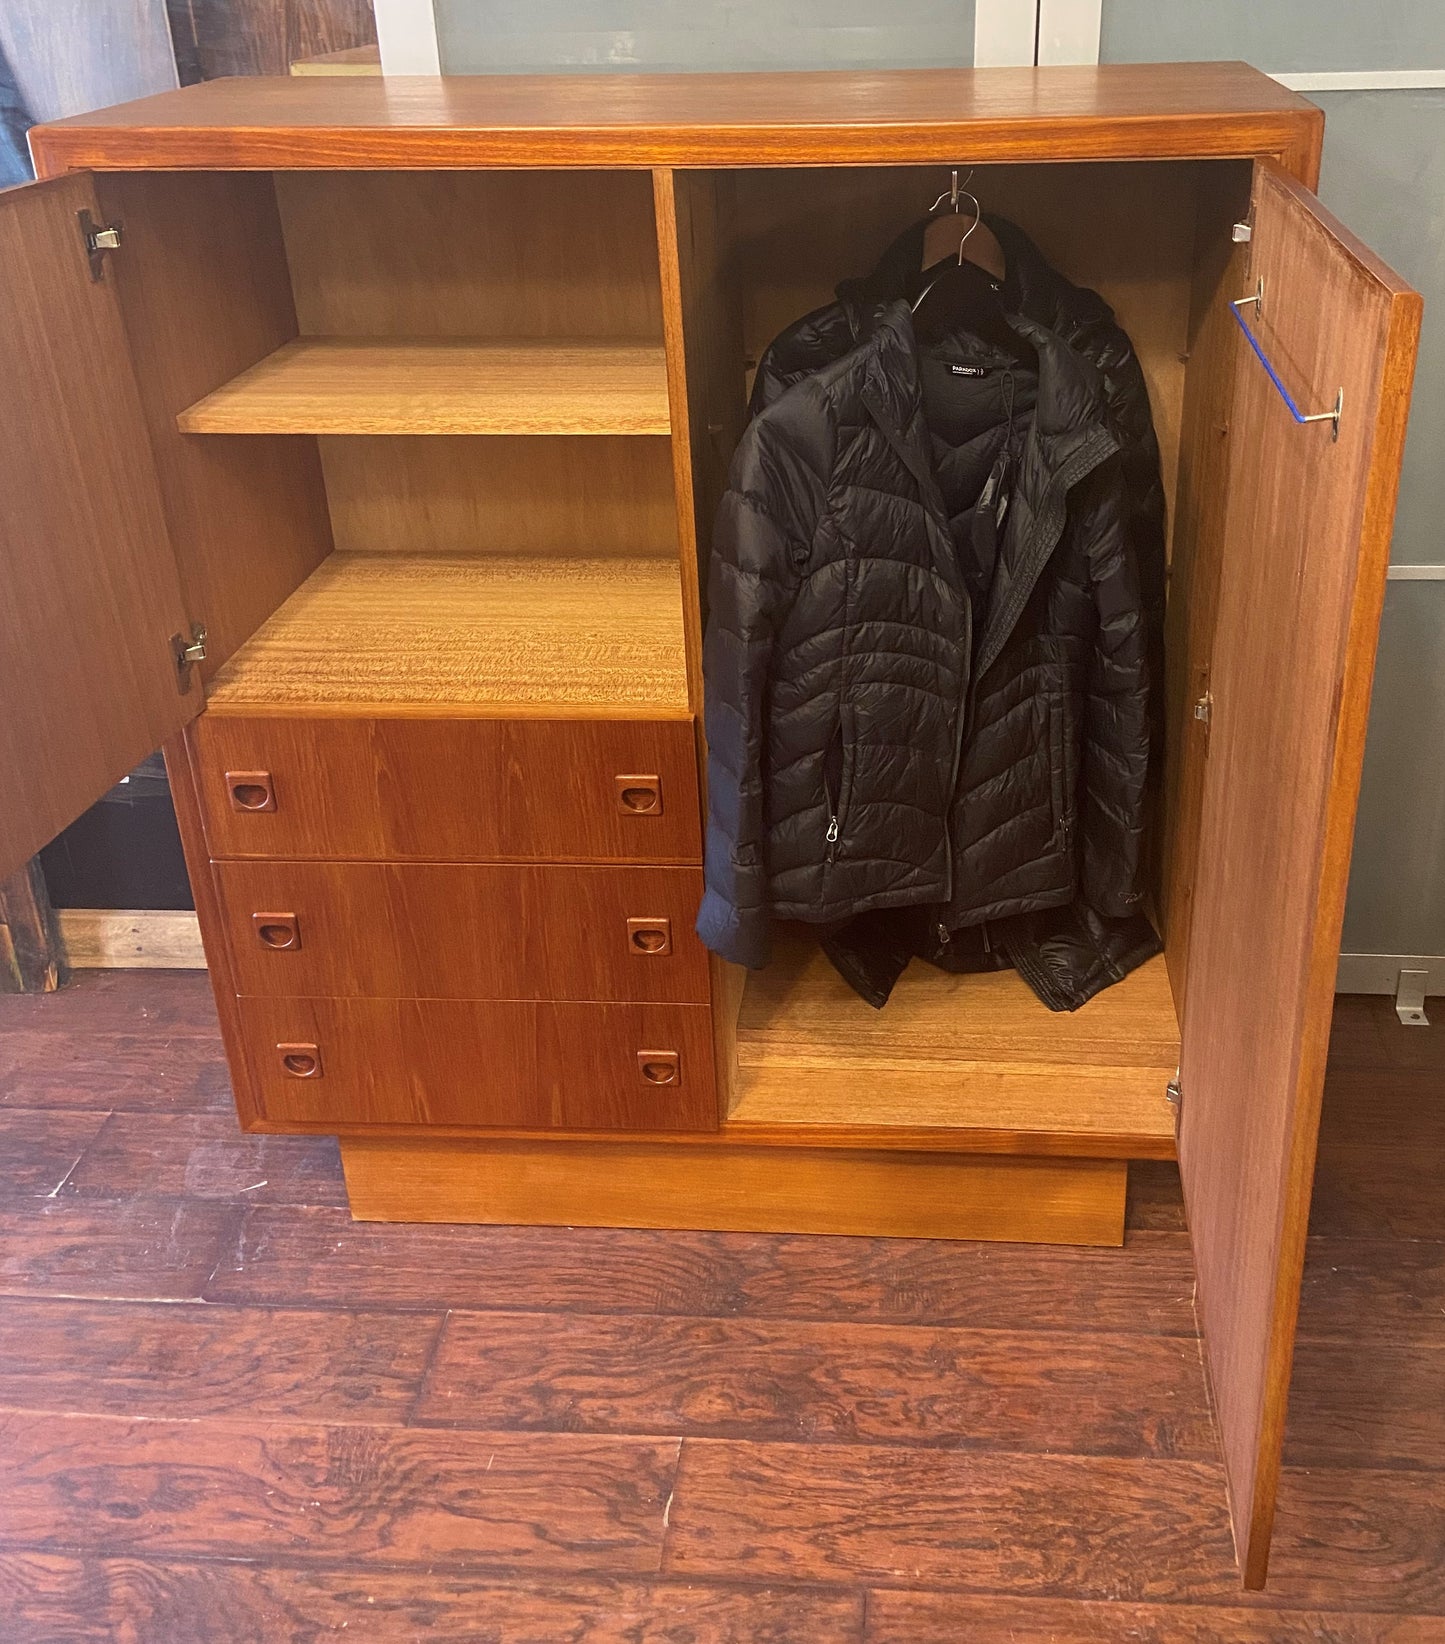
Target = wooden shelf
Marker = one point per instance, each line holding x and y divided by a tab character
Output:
956	1052
439	385
471	630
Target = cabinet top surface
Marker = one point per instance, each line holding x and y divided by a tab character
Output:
1107	111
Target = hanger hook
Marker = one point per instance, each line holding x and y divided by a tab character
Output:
977	219
955	190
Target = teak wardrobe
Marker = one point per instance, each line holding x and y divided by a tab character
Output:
385	422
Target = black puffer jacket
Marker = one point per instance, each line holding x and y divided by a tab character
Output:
911	705
1034	288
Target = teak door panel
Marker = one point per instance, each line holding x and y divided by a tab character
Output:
441	930
510	1064
1306	545
449	788
89	591
203	288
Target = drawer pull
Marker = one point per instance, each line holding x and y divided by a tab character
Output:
649	936
639	795
251	790
300	1061
280	932
659	1067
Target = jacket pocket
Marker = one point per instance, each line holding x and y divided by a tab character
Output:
1061	783
839	759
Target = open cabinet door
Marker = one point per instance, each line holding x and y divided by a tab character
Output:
90	595
1305	552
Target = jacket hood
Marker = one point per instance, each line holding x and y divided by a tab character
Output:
1070	406
1031	285
1031	290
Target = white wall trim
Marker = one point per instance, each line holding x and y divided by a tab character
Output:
1069	31
1380	972
1416	573
1004	32
120	939
1366	80
406	31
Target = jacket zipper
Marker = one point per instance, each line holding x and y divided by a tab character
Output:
960	732
833	800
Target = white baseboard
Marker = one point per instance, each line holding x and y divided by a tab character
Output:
1380	972
130	939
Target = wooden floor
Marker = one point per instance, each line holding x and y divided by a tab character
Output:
228	1413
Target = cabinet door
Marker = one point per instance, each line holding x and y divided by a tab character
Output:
89	591
1306	545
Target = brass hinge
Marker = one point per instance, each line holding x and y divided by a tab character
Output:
98	239
1174	1093
1241	233
186	653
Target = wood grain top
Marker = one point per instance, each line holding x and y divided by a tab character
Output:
442	385
952	1051
485	631
1104	111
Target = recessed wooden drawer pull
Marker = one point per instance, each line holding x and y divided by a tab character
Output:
281	932
251	790
639	795
659	1067
649	936
300	1061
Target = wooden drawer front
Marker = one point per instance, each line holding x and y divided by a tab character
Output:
512	1064
448	788
431	930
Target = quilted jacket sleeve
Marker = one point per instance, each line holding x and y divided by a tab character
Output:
1127	396
1117	725
750	586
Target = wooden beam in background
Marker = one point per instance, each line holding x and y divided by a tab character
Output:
30	954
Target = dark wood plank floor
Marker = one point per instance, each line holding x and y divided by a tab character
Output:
229	1413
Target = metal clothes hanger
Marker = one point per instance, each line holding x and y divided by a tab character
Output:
987	253
953	193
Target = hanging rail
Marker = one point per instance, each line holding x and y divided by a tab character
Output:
1331	417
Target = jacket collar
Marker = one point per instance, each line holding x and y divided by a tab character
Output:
1068	438
893	397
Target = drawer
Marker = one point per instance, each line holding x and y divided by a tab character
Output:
513	1063
389	787
443	930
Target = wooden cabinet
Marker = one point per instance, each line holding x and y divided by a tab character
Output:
419	403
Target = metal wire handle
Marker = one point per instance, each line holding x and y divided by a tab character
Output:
1331	417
